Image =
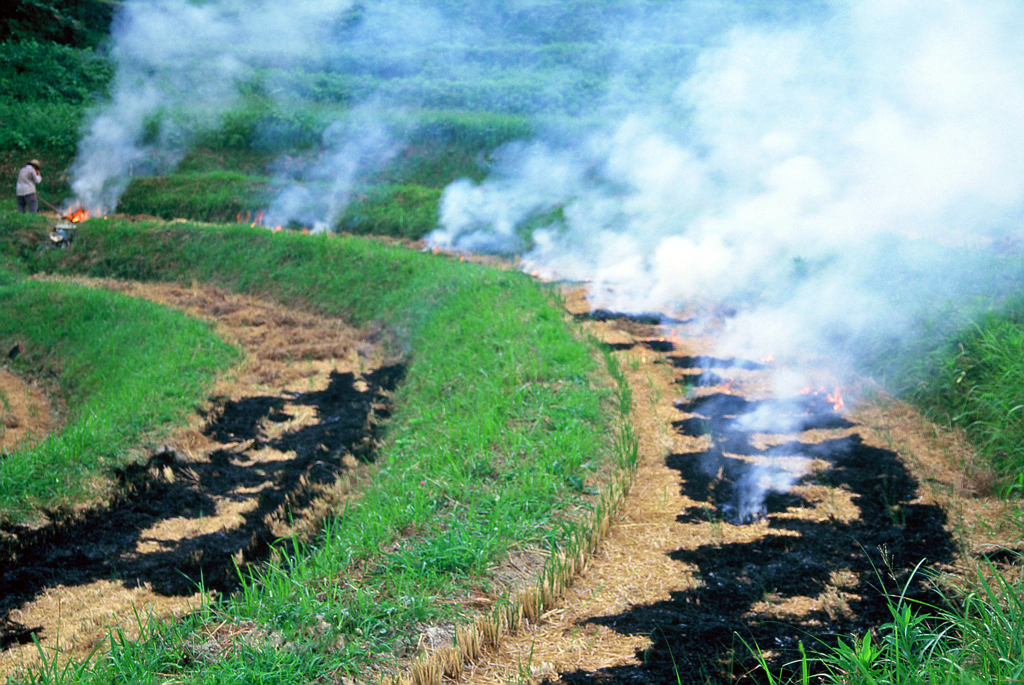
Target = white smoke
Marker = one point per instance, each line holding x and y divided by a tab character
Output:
834	179
179	68
875	139
751	489
315	194
361	71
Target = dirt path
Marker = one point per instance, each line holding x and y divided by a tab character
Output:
289	431
25	412
697	568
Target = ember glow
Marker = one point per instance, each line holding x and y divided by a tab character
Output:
834	398
248	218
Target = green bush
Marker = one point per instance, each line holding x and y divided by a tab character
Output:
40	126
263	127
31	71
81	23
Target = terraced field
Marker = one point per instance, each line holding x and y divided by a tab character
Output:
289	409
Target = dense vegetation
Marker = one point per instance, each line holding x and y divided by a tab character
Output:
78	23
975	381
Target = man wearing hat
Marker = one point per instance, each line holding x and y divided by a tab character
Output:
28	177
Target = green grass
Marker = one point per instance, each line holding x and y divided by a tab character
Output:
981	389
121	366
403	211
209	196
497	437
977	636
971	379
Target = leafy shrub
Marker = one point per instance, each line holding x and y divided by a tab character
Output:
32	71
71	22
51	126
261	126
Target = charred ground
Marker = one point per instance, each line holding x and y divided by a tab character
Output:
704	634
685	591
277	447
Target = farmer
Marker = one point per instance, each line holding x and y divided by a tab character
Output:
28	177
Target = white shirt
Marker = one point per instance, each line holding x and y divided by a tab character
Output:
28	177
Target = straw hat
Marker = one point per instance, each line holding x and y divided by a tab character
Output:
35	163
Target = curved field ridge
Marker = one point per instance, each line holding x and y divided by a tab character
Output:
121	366
497	445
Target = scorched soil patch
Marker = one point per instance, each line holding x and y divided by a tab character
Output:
282	441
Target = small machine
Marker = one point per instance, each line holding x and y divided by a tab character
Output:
63	234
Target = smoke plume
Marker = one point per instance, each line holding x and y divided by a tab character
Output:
837	177
832	176
180	68
347	80
833	171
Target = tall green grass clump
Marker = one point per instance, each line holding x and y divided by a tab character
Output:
976	381
401	211
121	367
977	637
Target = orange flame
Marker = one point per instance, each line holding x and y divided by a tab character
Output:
80	214
835	399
